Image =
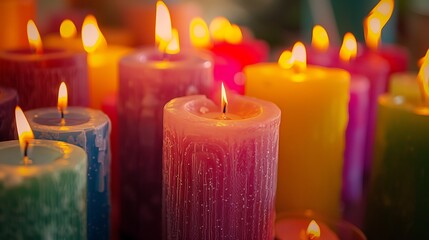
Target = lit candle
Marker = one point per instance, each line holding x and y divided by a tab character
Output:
34	73
398	202
67	38
8	101
42	192
90	130
314	104
220	168
148	80
303	229
321	53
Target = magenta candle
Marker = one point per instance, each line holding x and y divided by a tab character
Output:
36	77
149	79
8	102
396	56
220	175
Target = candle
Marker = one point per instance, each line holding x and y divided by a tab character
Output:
8	101
398	202
148	79
90	130
219	168
35	75
405	84
66	38
314	103
44	199
321	53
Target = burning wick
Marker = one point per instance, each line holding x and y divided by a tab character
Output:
62	101
224	102
24	133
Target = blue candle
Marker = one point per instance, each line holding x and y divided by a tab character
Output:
8	101
89	129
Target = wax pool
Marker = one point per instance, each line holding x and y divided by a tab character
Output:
219	176
8	102
46	199
148	80
90	130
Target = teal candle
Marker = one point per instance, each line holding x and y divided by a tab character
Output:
46	199
398	200
89	129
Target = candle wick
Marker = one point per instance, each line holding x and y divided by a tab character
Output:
63	121
26	159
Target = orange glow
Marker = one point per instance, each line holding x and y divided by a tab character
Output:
286	59
420	61
224	99
199	33
233	35
348	49
68	29
34	37
313	230
423	78
219	27
299	55
62	97
376	20
25	134
92	37
163	33
173	46
320	39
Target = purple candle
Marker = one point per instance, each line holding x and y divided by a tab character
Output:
8	102
148	79
220	169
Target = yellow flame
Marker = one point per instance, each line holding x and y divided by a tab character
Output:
299	55
423	78
62	97
224	99
219	26
163	32
92	38
376	20
313	230
233	35
34	37
320	39
199	33
25	134
68	29
286	59
173	46
420	61
348	49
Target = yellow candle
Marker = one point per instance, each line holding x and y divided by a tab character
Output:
405	85
314	104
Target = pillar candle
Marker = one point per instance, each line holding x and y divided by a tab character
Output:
148	79
45	199
405	84
314	104
36	77
8	101
396	56
219	175
90	130
397	206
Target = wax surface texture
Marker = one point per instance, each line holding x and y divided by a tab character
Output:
8	102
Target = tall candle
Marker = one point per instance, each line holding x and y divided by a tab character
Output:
314	104
8	101
90	130
219	174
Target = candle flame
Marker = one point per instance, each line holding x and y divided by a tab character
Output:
320	39
199	33
423	78
25	134
348	49
300	56
313	230
224	100
173	46
420	61
67	29
376	20
286	60
92	38
163	32
34	37
218	28
62	97
234	35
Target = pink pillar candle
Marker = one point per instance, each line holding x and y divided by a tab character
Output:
149	79
36	77
396	56
220	175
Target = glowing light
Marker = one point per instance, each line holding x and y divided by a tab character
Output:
348	49
68	29
375	22
299	55
92	37
199	33
234	35
286	59
34	37
313	230
25	134
218	28
224	100
173	46
163	33
423	79
62	97
320	39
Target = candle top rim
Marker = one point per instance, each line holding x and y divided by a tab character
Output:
96	119
405	104
7	94
26	54
68	157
